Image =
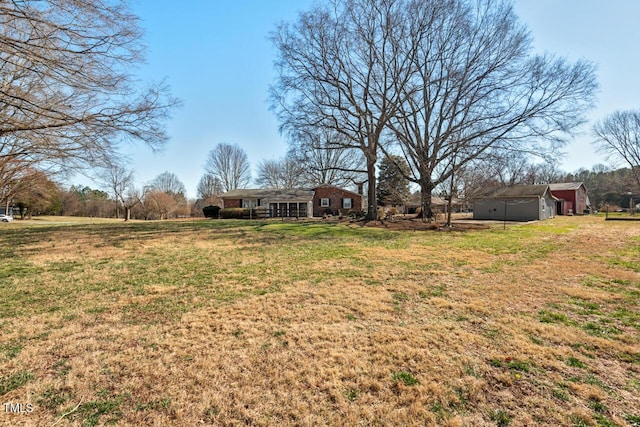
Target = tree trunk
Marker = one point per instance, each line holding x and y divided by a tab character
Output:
449	208
127	213
450	202
372	202
426	187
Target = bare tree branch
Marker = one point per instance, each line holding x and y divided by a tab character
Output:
340	67
618	137
67	93
481	90
229	163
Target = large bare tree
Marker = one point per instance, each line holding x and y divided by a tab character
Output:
209	186
618	137
481	89
68	96
118	179
340	67
166	196
169	183
284	173
325	158
229	163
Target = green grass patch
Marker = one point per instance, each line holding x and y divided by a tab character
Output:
575	363
630	357
154	405
12	382
603	421
560	394
597	406
511	364
15	269
11	349
579	420
588	307
501	418
627	317
546	316
404	377
352	394
433	291
600	329
104	411
440	411
634	420
51	399
519	365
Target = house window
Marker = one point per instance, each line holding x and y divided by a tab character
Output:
324	203
249	203
346	203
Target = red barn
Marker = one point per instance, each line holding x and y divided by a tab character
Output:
572	198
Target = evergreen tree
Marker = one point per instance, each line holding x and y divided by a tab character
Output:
393	186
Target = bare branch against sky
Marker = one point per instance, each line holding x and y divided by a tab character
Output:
68	94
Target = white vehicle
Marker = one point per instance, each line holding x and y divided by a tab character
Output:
5	218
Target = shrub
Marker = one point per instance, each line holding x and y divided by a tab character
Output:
211	211
357	213
227	213
260	212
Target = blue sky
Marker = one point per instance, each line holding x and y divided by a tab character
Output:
218	60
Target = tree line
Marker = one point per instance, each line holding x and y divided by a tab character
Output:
69	98
165	196
452	87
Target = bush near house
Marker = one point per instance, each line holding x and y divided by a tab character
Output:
357	213
231	213
241	213
211	211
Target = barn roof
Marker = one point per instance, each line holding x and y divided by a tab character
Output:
518	191
561	186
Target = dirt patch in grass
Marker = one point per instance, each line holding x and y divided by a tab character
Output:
265	323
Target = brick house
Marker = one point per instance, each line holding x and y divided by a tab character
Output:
279	203
331	200
305	203
572	198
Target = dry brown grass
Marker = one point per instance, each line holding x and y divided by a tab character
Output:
232	323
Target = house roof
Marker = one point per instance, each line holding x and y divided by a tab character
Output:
340	188
561	186
516	191
269	193
440	201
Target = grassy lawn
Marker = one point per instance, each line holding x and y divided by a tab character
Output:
271	323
